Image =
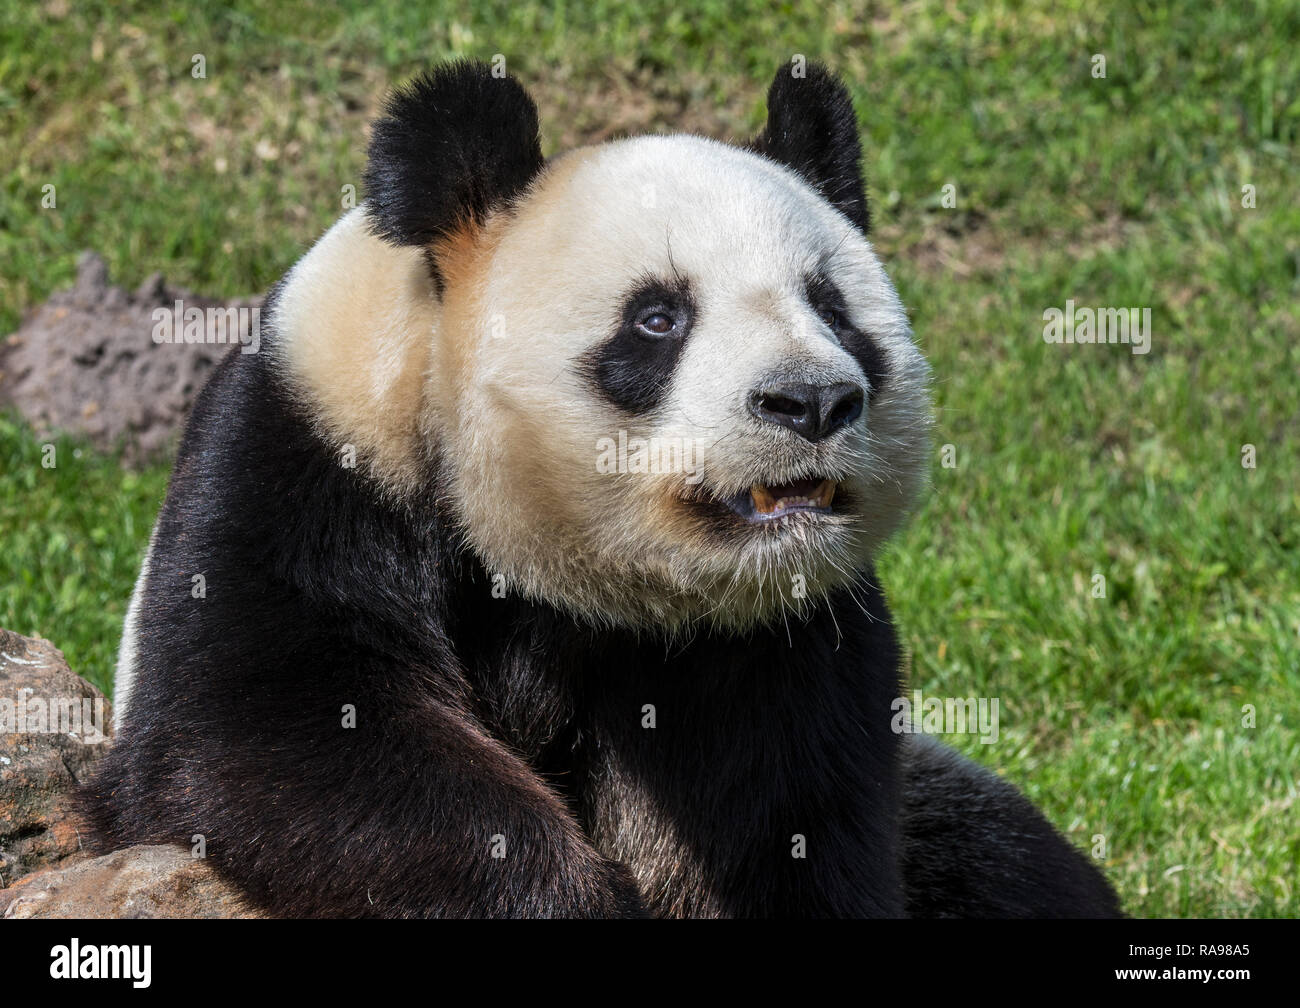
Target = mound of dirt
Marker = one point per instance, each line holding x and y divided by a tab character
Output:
87	362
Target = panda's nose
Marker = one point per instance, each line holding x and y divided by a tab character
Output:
811	411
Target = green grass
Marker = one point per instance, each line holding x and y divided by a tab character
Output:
1121	716
73	535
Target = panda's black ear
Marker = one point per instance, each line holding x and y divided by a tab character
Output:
812	128
452	145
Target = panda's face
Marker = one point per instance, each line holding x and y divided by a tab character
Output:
674	384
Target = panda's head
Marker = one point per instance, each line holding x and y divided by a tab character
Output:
665	380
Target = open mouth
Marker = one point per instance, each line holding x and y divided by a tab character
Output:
769	501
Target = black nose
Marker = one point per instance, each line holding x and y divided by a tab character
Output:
812	411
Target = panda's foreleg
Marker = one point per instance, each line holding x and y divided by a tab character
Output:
414	812
973	846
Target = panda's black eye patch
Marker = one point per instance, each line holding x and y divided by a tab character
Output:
655	307
634	366
825	298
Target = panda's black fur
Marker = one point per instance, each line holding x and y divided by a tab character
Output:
489	725
812	128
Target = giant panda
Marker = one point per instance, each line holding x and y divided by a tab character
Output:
443	662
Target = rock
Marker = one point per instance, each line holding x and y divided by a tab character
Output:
53	726
143	881
86	363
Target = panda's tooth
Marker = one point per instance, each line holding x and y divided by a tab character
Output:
766	504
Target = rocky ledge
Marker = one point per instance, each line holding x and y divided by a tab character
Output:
54	725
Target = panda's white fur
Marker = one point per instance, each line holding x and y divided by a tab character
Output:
128	652
489	379
357	320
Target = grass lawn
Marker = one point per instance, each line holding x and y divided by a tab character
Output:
1161	717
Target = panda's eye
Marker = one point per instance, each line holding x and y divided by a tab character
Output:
656	324
830	317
